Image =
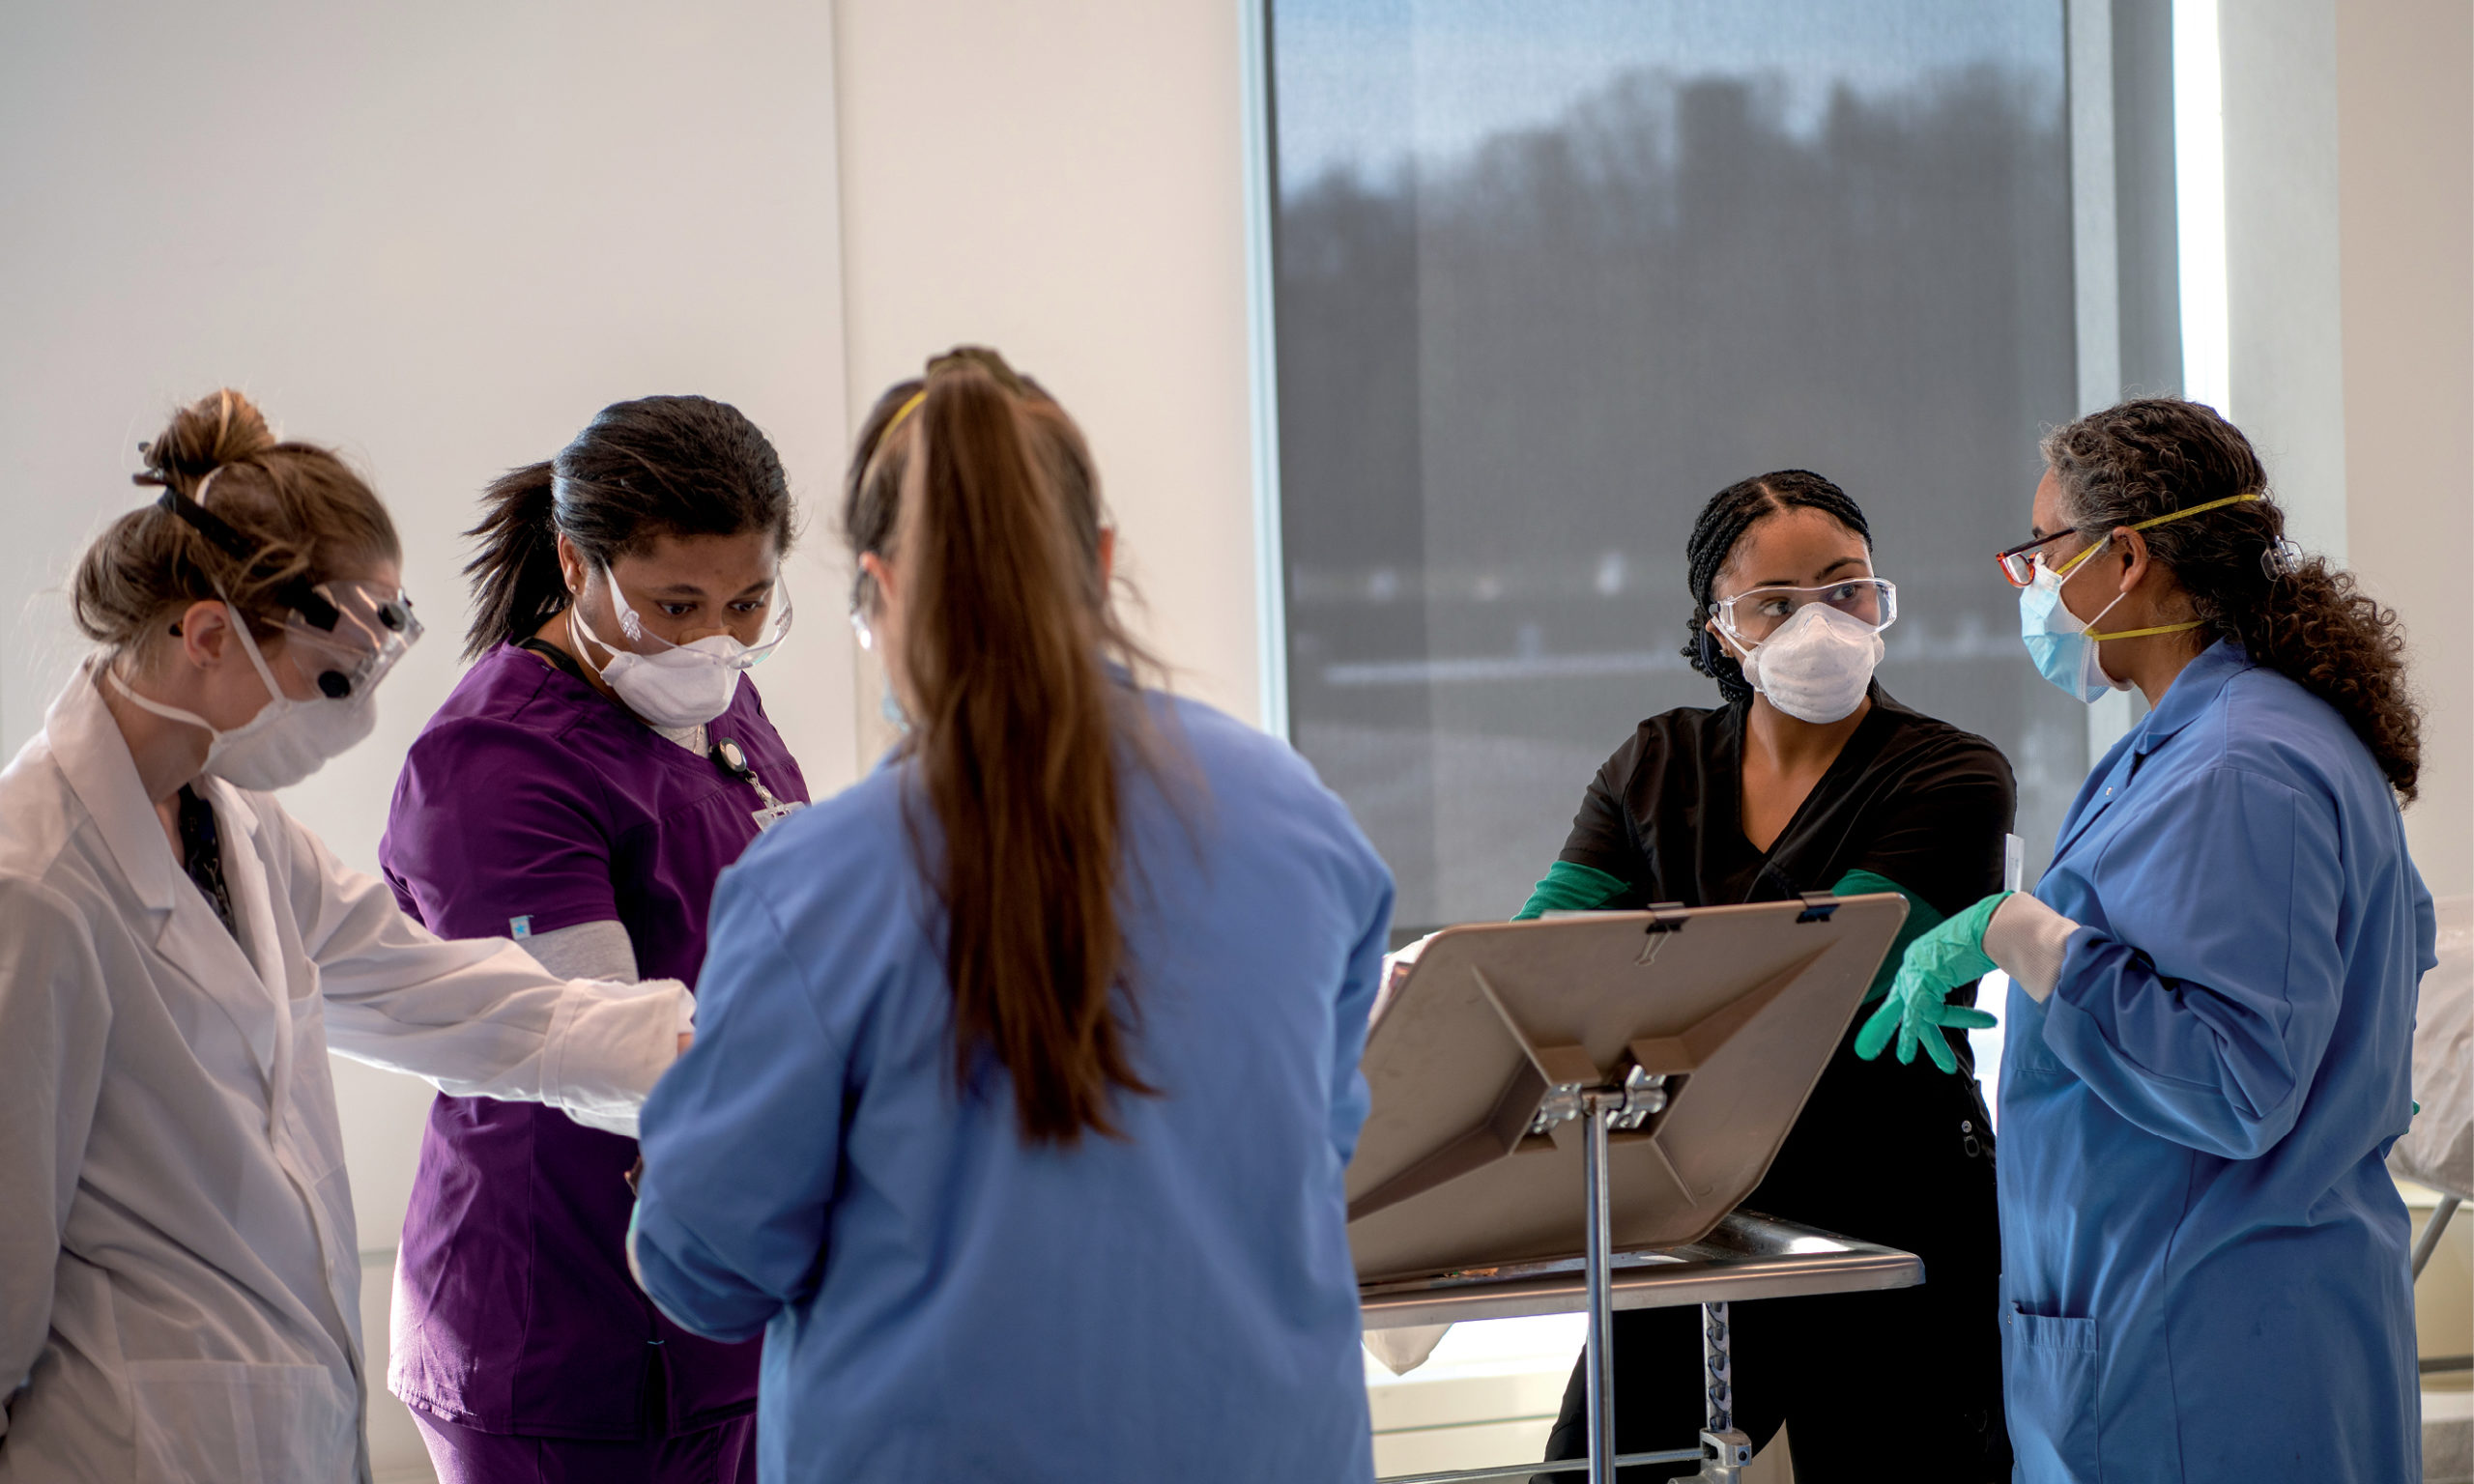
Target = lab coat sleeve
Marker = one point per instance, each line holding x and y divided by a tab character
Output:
1350	1097
55	1019
742	1140
2201	1009
473	1017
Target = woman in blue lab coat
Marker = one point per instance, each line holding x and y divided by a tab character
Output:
2204	1261
1025	1070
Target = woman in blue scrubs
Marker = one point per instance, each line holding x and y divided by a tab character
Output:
2204	1259
1025	1070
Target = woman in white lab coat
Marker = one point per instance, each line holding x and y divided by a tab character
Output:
178	1272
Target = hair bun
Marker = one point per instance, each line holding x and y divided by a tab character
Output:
216	430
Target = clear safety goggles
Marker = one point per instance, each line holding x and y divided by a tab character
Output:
351	632
345	636
2019	563
1751	618
776	628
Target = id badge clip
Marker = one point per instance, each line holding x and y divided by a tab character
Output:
732	758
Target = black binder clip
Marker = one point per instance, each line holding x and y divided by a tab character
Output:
1667	917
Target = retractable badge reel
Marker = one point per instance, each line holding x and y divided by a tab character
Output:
731	758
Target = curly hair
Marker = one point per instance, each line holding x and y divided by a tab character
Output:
2293	614
1720	529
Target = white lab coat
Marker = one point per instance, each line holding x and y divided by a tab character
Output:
178	1272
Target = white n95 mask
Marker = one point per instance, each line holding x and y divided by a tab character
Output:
1818	665
286	741
671	685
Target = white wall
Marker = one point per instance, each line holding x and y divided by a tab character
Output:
1064	181
440	237
2349	260
2405	88
2281	254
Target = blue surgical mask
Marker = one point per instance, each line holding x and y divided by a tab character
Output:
2060	645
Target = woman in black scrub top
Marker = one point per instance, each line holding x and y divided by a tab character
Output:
1811	778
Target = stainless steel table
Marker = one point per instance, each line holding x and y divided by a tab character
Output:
1656	1060
1748	1256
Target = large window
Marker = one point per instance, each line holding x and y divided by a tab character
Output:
1547	276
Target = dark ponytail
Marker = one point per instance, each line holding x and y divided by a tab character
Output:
1724	520
643	469
1020	733
2292	614
517	585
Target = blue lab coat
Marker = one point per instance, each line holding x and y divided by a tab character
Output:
942	1302
2204	1261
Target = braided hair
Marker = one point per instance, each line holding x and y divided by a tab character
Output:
2289	613
1731	513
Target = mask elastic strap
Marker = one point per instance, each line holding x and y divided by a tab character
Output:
2162	628
2061	574
580	634
2167	519
111	672
2213	504
257	661
629	622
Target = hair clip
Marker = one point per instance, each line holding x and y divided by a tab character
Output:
2280	557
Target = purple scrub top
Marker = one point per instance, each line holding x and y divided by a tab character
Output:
531	803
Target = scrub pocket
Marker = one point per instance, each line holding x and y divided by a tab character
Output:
213	1421
2049	1390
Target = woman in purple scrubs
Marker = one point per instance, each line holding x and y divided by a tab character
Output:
592	774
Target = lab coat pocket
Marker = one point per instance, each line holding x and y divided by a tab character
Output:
214	1421
2049	1390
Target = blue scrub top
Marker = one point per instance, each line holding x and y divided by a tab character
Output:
941	1301
2204	1256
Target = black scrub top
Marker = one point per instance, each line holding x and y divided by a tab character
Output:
1892	1153
1909	798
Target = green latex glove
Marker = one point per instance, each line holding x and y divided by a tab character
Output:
1920	917
1918	1005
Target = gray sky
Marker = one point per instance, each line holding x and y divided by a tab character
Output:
1364	83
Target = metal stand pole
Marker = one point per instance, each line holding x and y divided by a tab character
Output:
1725	1451
2432	1230
1597	1109
1719	1366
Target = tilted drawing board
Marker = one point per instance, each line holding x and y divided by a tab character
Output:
1730	1013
